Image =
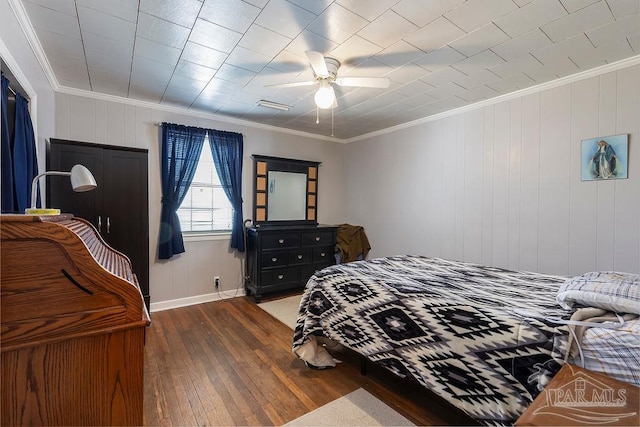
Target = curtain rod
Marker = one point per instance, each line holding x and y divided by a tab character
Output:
12	91
160	125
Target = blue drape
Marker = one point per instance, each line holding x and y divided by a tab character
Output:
181	148
25	162
226	148
7	204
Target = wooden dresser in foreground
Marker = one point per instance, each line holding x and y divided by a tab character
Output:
72	326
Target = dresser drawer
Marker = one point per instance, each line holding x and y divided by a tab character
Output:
300	256
306	271
280	276
323	254
275	259
284	240
317	238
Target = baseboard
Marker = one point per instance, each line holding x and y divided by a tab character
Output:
198	299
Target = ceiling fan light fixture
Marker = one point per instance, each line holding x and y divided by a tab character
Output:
325	96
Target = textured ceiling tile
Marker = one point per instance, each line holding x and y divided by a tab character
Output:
92	21
214	36
264	41
156	51
478	94
421	13
553	70
479	40
622	8
575	5
615	31
562	50
521	45
235	15
355	47
398	54
387	29
583	20
531	16
234	74
442	76
195	71
415	88
124	9
478	62
634	41
161	31
369	10
475	13
248	59
61	45
513	83
53	21
149	71
182	12
308	40
434	35
445	90
314	6
67	7
477	79
288	62
202	55
440	58
603	54
515	66
284	18
337	23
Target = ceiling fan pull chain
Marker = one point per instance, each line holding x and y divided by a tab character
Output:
332	121
317	115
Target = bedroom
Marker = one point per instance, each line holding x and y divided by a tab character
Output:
507	192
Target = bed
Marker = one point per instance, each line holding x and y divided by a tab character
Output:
485	339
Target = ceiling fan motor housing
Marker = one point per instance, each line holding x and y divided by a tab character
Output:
332	66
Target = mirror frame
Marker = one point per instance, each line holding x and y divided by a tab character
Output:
261	167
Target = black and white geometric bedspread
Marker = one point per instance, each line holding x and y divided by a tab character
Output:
457	328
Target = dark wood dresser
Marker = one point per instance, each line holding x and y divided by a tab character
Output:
284	257
72	326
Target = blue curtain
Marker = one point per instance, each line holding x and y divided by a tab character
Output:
181	148
7	204
226	148
25	161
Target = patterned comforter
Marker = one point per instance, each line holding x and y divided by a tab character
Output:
465	331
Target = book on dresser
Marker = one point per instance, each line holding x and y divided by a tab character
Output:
72	326
284	257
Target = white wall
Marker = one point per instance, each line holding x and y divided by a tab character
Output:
18	55
500	185
188	277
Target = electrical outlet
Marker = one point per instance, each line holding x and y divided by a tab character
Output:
216	281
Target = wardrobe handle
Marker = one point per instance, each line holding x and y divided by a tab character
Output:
317	238
299	256
281	241
99	224
108	225
274	259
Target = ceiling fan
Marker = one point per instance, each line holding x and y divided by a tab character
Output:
325	71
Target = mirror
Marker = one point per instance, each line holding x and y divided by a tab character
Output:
285	191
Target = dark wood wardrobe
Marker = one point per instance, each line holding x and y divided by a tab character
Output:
118	207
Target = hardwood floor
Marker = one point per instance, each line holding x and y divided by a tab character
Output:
230	363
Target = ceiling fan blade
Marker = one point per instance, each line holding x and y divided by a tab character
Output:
293	84
316	60
381	82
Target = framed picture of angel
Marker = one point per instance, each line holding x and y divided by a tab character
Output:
605	158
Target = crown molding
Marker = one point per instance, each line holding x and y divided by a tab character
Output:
191	113
34	42
624	63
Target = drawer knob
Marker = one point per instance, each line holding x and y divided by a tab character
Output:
280	276
317	238
281	241
274	259
322	254
299	256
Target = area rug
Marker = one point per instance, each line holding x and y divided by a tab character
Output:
358	408
284	309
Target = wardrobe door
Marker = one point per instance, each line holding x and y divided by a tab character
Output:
62	156
126	209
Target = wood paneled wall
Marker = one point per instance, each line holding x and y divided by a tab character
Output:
501	185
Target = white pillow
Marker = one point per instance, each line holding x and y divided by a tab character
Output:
609	290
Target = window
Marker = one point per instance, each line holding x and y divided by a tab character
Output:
206	206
